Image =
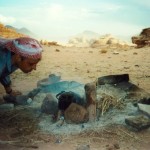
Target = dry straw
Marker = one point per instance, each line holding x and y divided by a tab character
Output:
106	102
22	120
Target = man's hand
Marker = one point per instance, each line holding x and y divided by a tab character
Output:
12	96
12	92
15	93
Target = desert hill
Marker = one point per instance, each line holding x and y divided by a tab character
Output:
92	39
12	32
24	31
9	32
83	39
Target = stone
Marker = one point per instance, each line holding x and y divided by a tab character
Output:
66	98
113	79
17	100
144	108
38	100
9	99
22	100
126	91
138	123
29	100
116	146
6	107
115	52
143	39
145	100
76	114
90	92
60	122
83	147
92	112
50	80
50	105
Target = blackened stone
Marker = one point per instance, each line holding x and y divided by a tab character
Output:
145	100
113	79
138	123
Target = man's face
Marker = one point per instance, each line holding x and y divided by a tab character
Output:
28	64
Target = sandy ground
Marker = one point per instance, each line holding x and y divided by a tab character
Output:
85	65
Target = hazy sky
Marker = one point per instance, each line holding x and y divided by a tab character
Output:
59	19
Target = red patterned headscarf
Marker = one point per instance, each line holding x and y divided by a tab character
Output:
24	46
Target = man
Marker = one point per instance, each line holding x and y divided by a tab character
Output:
23	53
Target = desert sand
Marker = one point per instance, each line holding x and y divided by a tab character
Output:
86	65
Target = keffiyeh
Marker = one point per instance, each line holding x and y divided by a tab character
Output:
24	46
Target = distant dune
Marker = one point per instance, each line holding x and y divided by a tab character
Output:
92	39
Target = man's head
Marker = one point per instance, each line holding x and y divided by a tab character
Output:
25	64
27	53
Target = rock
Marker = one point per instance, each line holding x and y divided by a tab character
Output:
145	32
90	92
60	122
138	123
17	100
113	79
29	100
83	147
50	105
58	141
109	41
6	107
143	39
138	41
22	100
37	101
76	114
39	98
145	100
126	91
9	99
144	108
116	146
115	52
47	81
57	50
92	112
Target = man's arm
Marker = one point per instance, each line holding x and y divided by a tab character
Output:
6	82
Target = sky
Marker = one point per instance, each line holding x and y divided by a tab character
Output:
58	20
